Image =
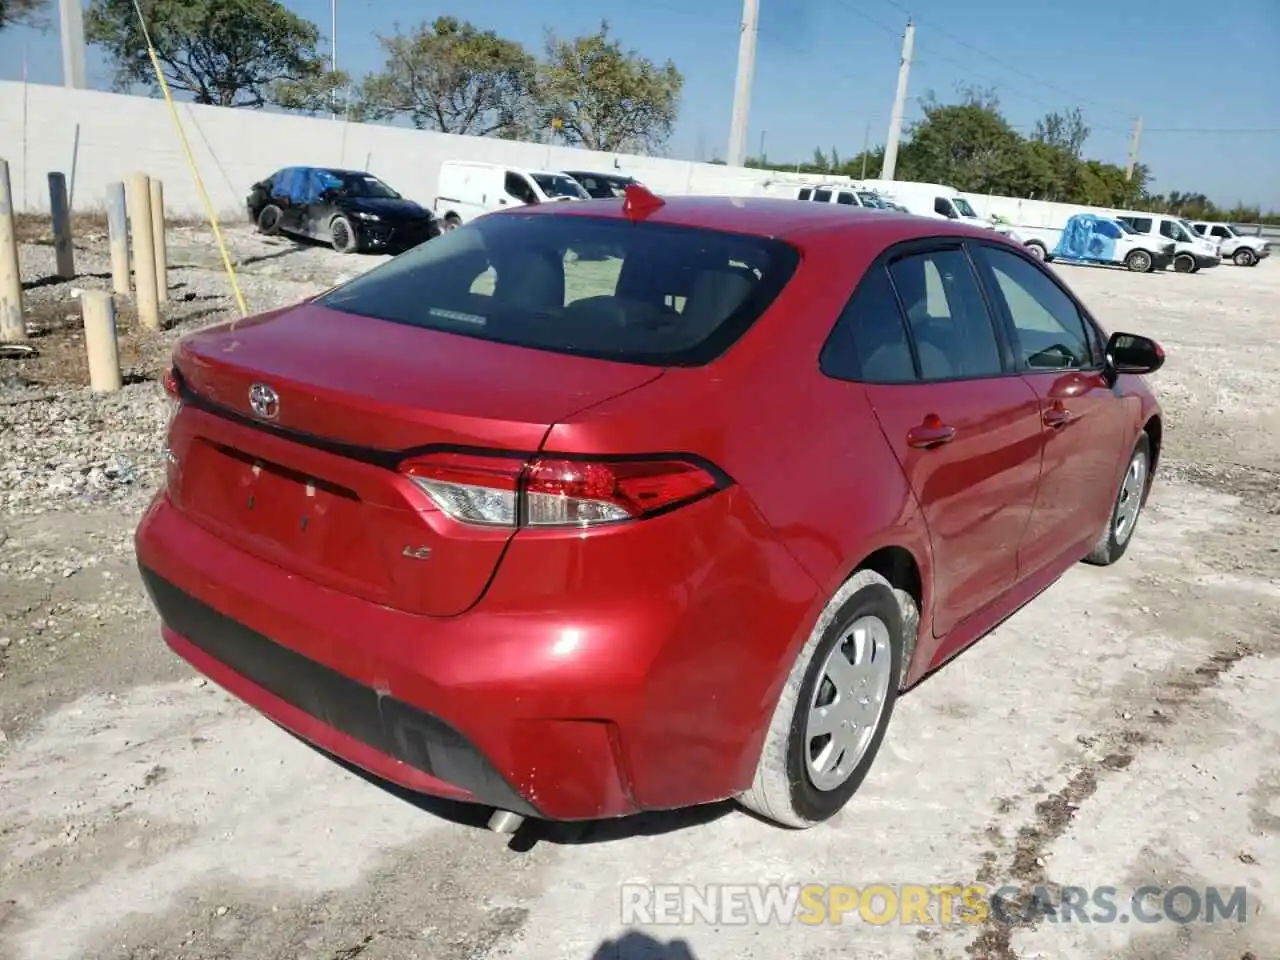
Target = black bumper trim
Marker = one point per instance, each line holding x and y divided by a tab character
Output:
388	725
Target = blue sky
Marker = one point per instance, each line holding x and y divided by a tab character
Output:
1206	85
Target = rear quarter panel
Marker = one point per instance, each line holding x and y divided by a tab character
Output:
806	449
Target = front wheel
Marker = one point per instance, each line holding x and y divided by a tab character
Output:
1123	519
1037	250
342	235
834	710
1184	263
1244	257
1139	261
268	222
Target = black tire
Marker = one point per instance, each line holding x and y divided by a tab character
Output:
342	236
268	221
1038	250
1114	540
451	222
1184	263
783	790
1139	261
1244	257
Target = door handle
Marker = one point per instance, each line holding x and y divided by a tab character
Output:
932	433
1057	417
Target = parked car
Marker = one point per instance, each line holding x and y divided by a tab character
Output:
1235	245
841	193
495	527
602	186
1090	238
352	210
469	189
1191	251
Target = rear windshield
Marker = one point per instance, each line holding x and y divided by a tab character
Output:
635	292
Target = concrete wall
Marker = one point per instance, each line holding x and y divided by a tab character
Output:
96	138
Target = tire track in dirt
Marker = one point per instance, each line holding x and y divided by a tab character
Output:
1054	814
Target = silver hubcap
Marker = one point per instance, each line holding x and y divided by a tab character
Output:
1130	497
1037	252
1140	261
847	703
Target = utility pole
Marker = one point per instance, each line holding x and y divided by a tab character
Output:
866	148
1134	141
71	31
333	55
899	105
742	90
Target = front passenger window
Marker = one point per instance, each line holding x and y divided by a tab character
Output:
1051	332
519	188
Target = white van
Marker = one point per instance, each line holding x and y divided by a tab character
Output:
929	200
844	193
469	188
1192	252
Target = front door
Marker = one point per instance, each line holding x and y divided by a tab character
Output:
1084	420
965	429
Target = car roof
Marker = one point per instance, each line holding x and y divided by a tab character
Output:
768	217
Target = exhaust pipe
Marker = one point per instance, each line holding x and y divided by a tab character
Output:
504	821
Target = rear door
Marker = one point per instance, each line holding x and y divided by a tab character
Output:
1084	420
291	190
964	426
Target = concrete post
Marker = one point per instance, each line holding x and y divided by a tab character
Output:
61	215
12	326
138	199
118	232
99	311
158	238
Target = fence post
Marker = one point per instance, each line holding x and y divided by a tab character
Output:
138	200
118	232
158	238
60	212
12	325
99	311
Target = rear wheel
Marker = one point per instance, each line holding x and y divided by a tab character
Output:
451	222
834	709
1138	261
1037	250
268	222
341	235
1123	519
1244	257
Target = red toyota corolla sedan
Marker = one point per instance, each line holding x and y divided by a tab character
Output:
587	509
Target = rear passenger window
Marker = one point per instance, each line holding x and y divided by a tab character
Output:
948	317
1140	224
822	196
846	198
869	342
805	193
1051	332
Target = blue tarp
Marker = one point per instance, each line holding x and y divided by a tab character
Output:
1086	237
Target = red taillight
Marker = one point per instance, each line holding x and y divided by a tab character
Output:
509	491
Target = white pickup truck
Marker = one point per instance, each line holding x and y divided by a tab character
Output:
1240	248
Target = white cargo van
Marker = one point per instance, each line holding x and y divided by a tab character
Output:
470	188
929	200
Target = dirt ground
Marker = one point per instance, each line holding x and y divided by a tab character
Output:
1122	730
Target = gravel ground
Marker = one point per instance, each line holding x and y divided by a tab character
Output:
1122	729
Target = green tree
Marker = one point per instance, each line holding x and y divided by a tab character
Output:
607	98
453	77
230	53
28	13
968	145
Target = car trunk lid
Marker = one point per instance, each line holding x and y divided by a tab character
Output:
309	482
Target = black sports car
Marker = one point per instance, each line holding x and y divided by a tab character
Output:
352	210
602	186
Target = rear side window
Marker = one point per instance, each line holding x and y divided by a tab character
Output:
634	292
1140	224
952	329
822	196
805	193
869	342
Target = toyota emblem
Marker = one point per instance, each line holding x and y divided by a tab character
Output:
264	401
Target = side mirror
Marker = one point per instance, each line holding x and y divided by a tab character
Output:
1133	353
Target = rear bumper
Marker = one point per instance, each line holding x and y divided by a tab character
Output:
596	701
